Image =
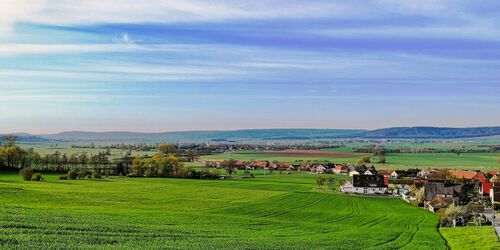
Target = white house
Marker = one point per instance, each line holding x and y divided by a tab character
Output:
319	169
346	187
369	184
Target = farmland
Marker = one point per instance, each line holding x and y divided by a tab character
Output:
475	161
239	213
471	238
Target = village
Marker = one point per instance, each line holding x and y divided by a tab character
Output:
460	197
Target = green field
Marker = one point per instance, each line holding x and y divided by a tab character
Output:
65	148
268	212
475	161
471	237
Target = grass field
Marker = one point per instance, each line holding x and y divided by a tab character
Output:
471	238
475	161
64	147
267	212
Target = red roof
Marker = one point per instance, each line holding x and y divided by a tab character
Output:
493	173
260	164
461	174
386	171
240	163
480	176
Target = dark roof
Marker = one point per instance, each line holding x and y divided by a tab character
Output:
432	189
368	180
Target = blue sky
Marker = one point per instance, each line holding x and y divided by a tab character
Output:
203	65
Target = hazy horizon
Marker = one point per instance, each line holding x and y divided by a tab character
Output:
214	130
160	66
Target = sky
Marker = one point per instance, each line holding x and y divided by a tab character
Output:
159	65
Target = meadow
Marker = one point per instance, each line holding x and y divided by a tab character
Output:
471	237
472	161
267	212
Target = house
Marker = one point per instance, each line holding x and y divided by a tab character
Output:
434	189
346	187
495	193
340	169
241	165
354	172
388	173
439	202
485	188
367	172
419	183
319	169
462	174
369	184
480	177
260	164
305	167
492	173
285	166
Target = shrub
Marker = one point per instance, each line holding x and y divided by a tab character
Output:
26	173
150	172
96	175
63	177
72	174
82	174
37	177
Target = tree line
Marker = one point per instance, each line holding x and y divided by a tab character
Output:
167	162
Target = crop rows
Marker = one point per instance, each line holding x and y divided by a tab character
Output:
124	213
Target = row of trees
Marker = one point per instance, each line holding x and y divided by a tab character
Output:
320	181
13	157
166	163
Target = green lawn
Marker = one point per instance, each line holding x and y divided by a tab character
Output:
471	237
279	211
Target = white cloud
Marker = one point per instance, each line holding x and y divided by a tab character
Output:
67	12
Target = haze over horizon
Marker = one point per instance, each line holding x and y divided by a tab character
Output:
158	66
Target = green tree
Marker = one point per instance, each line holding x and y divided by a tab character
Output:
359	163
474	210
137	167
331	182
167	149
450	215
320	181
381	159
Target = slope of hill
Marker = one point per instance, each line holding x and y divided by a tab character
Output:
265	135
23	137
266	212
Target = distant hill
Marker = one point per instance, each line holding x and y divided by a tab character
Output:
205	136
265	135
432	132
23	137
